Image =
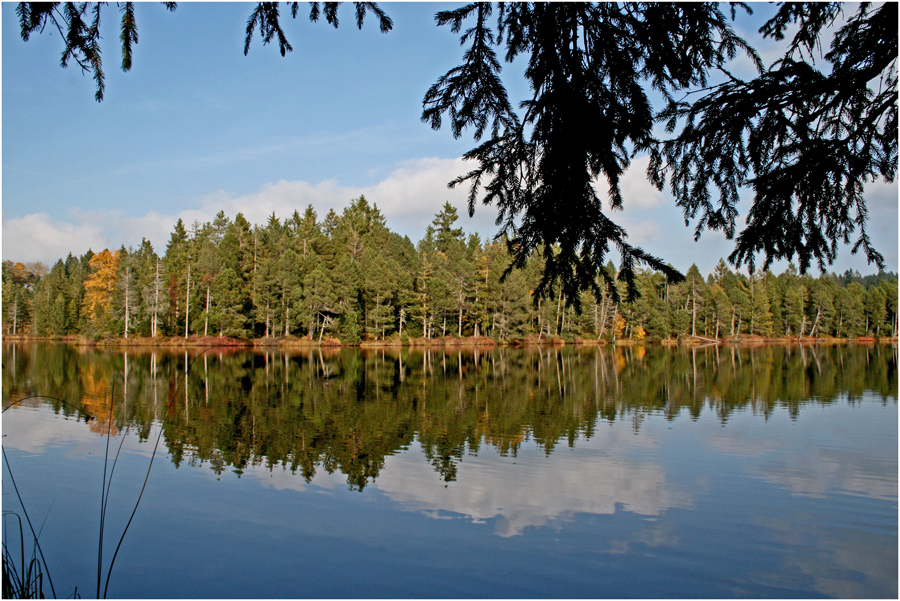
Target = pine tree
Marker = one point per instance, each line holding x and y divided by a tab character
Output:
821	304
804	135
128	295
759	315
177	261
850	305
696	292
228	314
890	294
875	310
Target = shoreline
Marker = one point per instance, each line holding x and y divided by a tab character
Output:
448	342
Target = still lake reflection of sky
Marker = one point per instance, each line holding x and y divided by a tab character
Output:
782	504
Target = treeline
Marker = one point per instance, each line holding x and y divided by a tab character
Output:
349	277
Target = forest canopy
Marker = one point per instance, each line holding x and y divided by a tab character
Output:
349	277
801	137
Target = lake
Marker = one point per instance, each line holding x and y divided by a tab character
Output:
568	472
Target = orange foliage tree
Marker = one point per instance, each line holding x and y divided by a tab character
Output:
98	288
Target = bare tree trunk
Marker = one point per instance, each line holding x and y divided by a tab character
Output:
812	332
187	302
127	309
558	304
694	311
603	318
155	319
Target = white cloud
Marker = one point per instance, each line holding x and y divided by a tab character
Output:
641	232
408	198
281	198
281	478
37	237
535	489
35	428
637	191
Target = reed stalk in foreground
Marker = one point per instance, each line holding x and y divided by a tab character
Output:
24	579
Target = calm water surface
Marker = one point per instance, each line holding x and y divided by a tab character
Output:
627	472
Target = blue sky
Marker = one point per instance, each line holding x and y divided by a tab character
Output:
196	127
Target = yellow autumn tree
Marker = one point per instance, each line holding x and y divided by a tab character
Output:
638	334
619	326
98	288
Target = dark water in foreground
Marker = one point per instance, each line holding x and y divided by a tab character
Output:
712	472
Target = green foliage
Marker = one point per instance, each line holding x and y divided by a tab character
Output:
354	279
349	329
803	136
589	114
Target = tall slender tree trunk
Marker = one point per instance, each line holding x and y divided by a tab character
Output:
155	319
187	303
812	332
321	331
558	305
127	309
377	314
603	318
694	312
206	320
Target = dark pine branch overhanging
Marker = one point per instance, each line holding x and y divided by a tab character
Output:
800	137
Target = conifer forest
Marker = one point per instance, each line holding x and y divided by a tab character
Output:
348	278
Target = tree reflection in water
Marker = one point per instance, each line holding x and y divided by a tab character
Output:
346	410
